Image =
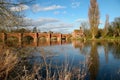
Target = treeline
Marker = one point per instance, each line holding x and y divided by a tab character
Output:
110	30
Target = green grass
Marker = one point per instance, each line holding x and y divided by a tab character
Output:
102	39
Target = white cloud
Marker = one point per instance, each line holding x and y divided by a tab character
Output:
64	12
40	21
58	12
19	8
81	20
101	22
59	27
49	24
37	7
75	4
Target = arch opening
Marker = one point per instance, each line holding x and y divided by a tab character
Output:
54	38
27	40
63	38
42	38
12	41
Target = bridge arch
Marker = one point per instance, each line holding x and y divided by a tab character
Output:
56	35
30	35
14	35
44	35
66	36
27	39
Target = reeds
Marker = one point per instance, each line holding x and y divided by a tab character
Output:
7	62
45	70
48	71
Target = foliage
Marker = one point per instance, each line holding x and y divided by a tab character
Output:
114	28
35	29
22	30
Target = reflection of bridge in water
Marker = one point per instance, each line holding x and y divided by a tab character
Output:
37	38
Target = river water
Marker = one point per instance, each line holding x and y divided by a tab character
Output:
82	60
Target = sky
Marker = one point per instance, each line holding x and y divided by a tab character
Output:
65	15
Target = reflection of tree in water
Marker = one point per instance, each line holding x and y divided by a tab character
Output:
105	46
85	49
116	49
94	60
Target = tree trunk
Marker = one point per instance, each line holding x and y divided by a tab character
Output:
93	36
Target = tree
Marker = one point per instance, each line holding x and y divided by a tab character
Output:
105	30
116	25
35	29
114	28
94	17
85	26
9	18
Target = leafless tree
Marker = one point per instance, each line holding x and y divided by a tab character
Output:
10	18
105	31
94	17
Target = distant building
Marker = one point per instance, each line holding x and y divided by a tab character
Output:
78	33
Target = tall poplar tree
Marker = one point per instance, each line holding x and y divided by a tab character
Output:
94	17
105	31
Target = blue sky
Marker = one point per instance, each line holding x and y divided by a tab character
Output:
66	15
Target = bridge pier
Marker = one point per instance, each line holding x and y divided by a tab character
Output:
59	37
48	37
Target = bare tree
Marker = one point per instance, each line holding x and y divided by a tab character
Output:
10	18
94	17
85	25
105	31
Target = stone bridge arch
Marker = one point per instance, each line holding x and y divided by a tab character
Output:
57	35
46	35
33	35
17	35
66	36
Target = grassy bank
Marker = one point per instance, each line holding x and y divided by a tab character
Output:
102	39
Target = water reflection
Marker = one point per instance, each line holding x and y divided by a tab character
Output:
37	44
105	46
94	60
116	50
104	58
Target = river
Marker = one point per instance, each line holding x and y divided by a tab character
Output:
74	60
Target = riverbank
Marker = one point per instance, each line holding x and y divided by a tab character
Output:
99	39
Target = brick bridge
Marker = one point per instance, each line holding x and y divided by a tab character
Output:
35	36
